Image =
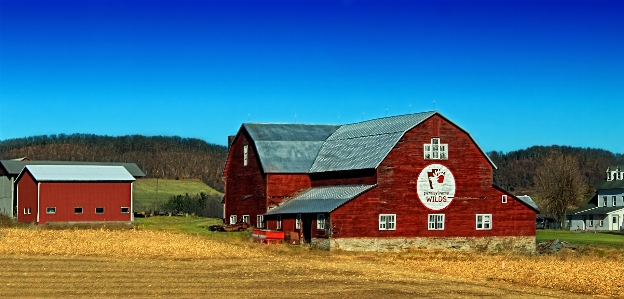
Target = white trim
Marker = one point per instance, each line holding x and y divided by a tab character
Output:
17	200
131	202
38	199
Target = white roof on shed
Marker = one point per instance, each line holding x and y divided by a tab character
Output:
67	173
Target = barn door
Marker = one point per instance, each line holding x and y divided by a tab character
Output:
307	228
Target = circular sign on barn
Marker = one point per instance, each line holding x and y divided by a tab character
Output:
436	187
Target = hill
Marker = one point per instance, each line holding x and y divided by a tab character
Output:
516	169
169	157
146	198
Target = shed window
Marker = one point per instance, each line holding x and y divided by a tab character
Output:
232	219
51	210
125	210
484	221
245	154
320	221
387	221
436	221
260	221
77	210
99	210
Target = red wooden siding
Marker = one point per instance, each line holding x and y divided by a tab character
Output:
27	198
246	185
66	196
397	194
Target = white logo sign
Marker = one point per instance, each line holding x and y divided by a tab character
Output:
436	187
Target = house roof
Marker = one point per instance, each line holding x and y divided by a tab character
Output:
288	148
320	199
595	211
614	184
299	148
77	173
14	167
528	200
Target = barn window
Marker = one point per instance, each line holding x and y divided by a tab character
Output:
51	210
99	210
125	210
320	221
435	150
260	221
279	222
298	222
387	221
233	219
245	154
77	210
436	221
484	221
246	219
504	199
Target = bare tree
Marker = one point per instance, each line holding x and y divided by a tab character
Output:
560	185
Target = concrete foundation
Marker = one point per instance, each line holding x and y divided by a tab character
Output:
493	244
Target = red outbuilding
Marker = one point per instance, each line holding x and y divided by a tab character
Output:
416	180
74	194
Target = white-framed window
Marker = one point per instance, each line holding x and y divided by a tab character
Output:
260	221
298	221
99	210
279	222
436	150
484	221
604	201
232	219
436	221
51	210
245	155
614	200
27	211
504	199
78	210
320	221
591	220
615	219
387	221
600	222
246	219
125	210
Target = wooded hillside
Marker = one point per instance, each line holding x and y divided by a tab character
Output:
158	156
516	169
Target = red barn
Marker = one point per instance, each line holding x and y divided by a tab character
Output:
416	180
74	193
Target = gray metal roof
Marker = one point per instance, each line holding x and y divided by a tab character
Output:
528	200
73	173
14	167
595	211
288	148
320	199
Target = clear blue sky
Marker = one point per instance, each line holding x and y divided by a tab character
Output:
513	73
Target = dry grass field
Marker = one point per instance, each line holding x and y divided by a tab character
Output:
140	263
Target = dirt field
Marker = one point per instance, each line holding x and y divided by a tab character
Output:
139	264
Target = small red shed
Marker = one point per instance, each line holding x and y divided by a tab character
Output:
74	194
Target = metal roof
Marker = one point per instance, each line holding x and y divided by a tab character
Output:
288	148
320	199
14	168
73	173
595	211
614	184
528	200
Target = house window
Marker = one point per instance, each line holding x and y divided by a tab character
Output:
615	219
387	221
51	210
320	221
298	222
99	210
600	222
246	219
279	222
436	221
504	199
232	219
125	210
77	210
259	221
484	221
245	154
435	150
614	200
604	201
591	220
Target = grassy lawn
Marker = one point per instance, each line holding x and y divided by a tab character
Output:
191	225
144	191
614	239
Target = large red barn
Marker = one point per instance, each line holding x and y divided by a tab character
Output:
74	194
416	180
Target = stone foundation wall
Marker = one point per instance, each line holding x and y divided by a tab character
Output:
322	244
524	244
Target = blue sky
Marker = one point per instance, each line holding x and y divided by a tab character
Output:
513	73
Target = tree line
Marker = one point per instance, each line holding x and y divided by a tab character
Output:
171	157
199	204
